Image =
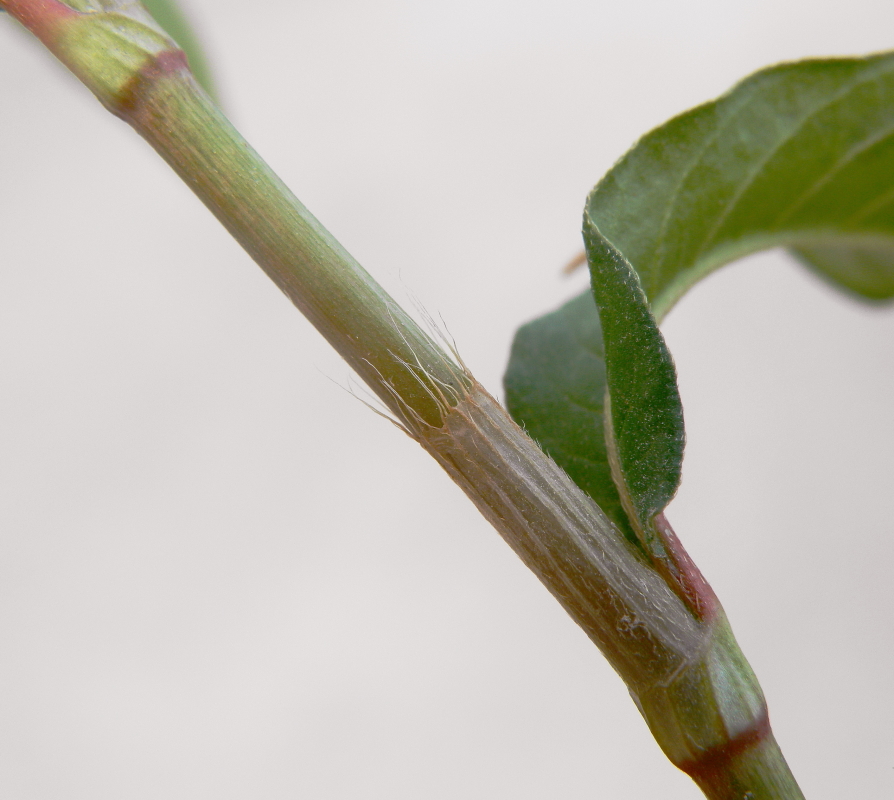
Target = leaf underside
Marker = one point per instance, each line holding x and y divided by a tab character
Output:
798	155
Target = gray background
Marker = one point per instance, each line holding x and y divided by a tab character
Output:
221	576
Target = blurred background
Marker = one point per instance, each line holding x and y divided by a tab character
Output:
222	576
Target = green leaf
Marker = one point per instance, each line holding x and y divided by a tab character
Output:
798	155
167	13
645	417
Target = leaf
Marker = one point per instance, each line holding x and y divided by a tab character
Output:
645	417
167	13
798	155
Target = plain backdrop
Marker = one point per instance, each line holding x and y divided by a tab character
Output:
222	576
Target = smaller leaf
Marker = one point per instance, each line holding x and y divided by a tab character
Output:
646	435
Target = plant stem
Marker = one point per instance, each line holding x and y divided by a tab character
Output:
559	532
661	629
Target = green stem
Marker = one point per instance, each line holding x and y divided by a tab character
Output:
661	629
